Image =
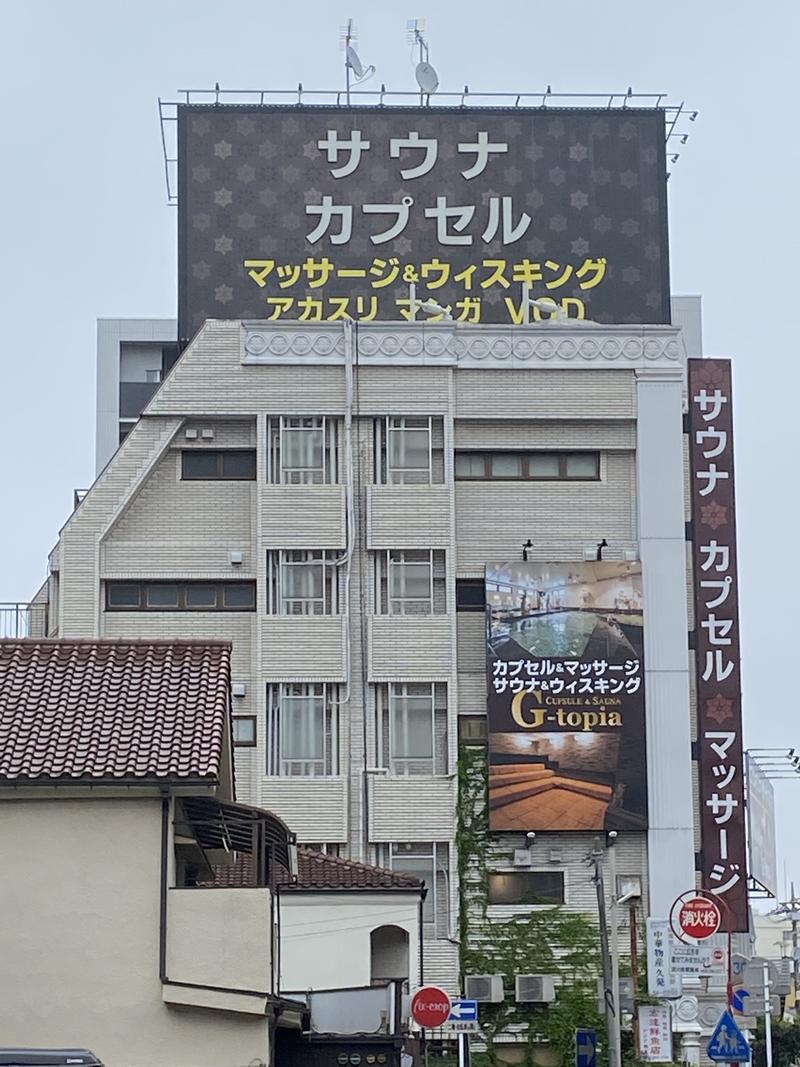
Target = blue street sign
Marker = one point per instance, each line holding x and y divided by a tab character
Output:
463	1011
585	1048
738	998
728	1044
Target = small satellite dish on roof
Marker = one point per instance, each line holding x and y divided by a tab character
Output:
353	62
427	78
425	73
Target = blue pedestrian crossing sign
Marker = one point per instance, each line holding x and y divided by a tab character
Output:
585	1048
728	1044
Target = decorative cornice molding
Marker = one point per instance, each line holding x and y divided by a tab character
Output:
468	347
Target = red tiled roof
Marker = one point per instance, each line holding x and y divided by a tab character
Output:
317	870
112	709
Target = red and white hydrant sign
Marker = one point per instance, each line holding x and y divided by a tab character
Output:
430	1007
695	917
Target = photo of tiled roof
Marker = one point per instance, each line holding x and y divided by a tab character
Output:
112	710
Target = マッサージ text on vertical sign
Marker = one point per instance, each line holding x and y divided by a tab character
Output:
719	711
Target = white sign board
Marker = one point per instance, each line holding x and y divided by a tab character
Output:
662	981
655	1033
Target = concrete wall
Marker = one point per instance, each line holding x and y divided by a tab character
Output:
79	940
326	936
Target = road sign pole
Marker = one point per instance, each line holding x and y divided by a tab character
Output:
767	1015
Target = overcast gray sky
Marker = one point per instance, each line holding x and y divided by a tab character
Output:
86	231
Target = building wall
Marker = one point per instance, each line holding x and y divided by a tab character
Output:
327	935
111	335
79	940
616	390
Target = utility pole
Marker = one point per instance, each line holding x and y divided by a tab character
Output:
791	910
610	991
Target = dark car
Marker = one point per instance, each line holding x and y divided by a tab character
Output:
48	1057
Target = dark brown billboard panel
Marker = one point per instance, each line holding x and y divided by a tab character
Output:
320	213
565	680
716	599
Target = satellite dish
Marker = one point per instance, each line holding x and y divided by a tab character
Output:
353	62
427	78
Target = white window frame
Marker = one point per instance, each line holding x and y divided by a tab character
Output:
279	472
280	697
385	429
387	740
437	854
281	561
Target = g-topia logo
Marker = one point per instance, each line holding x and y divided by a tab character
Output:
530	712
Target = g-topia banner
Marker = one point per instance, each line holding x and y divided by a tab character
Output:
318	214
565	680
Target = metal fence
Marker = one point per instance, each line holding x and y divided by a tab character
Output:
23	620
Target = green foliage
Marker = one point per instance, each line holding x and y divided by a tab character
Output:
785	1044
547	941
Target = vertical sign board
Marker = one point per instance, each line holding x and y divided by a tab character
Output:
319	213
716	600
655	1033
565	680
662	981
763	861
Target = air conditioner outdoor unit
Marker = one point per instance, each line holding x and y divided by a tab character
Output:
535	989
485	988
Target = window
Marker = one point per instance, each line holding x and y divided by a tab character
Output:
411	727
409	450
244	731
527	466
302	450
303	582
470	594
302	729
153	375
180	596
430	863
526	887
218	464
472	730
410	582
328	847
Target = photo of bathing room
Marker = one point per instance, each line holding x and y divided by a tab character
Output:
565	678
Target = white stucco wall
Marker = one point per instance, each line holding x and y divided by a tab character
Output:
325	937
79	937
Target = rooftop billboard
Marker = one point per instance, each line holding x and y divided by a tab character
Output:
565	679
320	213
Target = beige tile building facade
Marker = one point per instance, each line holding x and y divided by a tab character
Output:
326	497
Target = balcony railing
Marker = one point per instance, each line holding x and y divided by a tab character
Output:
23	620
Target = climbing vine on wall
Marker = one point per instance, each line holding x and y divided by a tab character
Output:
546	941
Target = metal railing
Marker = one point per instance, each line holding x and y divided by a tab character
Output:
23	620
675	114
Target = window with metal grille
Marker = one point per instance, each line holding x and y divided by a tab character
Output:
302	729
302	450
302	582
411	727
430	862
409	450
410	582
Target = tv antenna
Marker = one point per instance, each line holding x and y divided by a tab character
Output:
352	62
425	73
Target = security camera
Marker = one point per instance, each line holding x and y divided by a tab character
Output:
612	836
531	836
